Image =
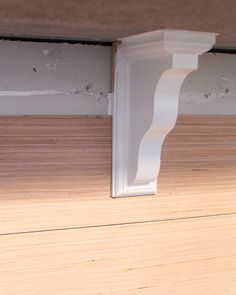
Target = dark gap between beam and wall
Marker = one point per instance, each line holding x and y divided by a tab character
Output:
54	40
46	39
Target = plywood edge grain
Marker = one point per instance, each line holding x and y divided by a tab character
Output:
198	173
193	256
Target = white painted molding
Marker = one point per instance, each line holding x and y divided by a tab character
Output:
149	71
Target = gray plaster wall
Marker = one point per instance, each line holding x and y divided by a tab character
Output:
47	78
211	89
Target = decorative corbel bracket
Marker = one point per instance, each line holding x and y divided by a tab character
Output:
149	71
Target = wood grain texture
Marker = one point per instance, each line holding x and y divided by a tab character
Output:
194	256
54	156
55	173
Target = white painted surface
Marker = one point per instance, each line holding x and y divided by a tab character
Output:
149	71
210	90
45	78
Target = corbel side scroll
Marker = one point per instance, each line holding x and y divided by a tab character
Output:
149	71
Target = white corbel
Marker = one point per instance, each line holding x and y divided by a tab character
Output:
149	71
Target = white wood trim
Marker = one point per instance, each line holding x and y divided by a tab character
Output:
149	71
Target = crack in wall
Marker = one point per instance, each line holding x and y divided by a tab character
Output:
206	97
96	95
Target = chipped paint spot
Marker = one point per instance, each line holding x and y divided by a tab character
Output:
46	52
52	52
51	67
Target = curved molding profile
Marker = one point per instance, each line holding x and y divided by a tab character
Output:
149	71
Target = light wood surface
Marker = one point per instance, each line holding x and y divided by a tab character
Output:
62	234
55	173
193	256
55	156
